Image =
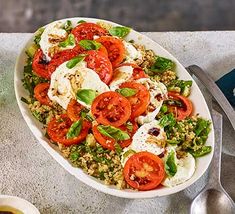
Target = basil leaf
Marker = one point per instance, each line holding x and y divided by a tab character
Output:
37	37
167	120
128	152
81	21
119	31
89	44
74	61
86	95
118	148
170	165
161	65
75	129
70	41
127	92
112	132
68	26
129	126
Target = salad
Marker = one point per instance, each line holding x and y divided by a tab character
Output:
114	108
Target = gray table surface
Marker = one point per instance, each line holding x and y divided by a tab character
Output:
28	171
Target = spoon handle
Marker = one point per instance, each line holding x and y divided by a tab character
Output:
214	90
215	166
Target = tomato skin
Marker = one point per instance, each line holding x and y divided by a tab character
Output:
182	113
138	72
140	101
100	63
88	31
58	128
40	93
108	143
144	171
115	48
39	65
62	57
110	108
74	109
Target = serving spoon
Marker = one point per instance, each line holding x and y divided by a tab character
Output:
213	198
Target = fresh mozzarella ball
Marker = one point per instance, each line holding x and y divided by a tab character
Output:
121	74
51	37
157	91
185	170
65	83
149	137
131	52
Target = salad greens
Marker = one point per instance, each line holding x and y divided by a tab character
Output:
70	41
113	132
86	95
75	129
74	61
89	44
119	31
127	92
161	65
170	164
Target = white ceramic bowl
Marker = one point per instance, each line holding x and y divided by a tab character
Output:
196	96
18	203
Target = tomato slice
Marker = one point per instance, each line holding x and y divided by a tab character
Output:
88	31
74	109
40	93
62	57
140	101
58	127
115	48
100	63
108	143
137	70
110	108
144	171
186	109
39	65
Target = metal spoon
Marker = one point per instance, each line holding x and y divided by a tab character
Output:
213	198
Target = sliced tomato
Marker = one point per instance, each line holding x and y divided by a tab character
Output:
40	93
62	57
115	48
180	112
74	110
137	71
58	128
103	50
88	31
100	63
140	101
40	65
144	171
108	143
110	108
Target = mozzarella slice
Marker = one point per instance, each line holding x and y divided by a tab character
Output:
185	170
65	83
144	141
132	53
158	92
121	74
51	37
